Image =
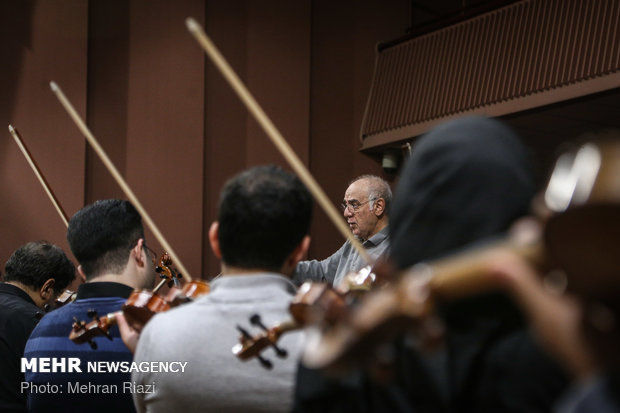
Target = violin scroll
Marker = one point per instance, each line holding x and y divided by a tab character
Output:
167	272
250	346
246	348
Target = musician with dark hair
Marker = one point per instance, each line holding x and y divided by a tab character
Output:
35	274
107	238
260	235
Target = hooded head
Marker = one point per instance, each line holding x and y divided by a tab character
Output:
466	180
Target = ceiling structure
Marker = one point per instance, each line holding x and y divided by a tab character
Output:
545	128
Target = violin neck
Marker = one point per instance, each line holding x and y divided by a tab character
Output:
110	318
468	273
104	323
84	332
285	327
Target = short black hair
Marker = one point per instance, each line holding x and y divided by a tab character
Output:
264	213
35	262
102	234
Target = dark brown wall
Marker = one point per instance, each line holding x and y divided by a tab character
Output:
268	45
41	41
344	35
146	97
108	83
168	120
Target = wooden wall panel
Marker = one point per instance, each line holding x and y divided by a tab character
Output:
278	74
108	83
225	117
168	120
46	40
268	46
165	103
146	98
344	35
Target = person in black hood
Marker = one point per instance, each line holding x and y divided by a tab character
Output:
466	182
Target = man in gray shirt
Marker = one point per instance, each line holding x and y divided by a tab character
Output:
260	235
365	207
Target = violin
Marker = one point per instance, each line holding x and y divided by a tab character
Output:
66	297
313	302
582	194
144	304
409	303
190	291
141	305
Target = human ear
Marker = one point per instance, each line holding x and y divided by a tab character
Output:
139	252
379	206
47	289
80	273
214	240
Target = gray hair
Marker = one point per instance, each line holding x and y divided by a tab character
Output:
377	188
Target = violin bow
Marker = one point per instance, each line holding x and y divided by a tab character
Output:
274	134
39	175
117	176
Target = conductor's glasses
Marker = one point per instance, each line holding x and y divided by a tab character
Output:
354	206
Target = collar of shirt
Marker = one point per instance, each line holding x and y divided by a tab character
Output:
13	290
103	289
253	280
376	239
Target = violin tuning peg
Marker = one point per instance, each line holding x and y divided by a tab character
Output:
255	320
93	314
92	344
264	362
280	352
77	325
158	269
244	333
